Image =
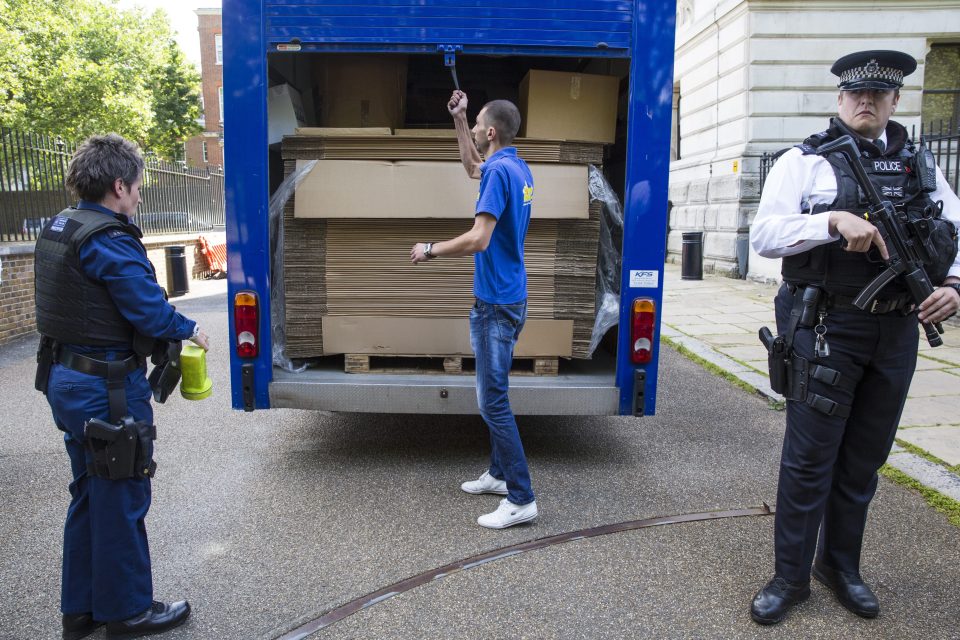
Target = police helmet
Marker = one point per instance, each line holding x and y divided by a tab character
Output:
873	70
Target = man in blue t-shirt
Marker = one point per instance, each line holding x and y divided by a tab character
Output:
500	289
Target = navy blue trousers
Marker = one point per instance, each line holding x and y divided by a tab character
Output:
106	560
828	468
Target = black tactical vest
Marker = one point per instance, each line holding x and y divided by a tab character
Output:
893	175
72	308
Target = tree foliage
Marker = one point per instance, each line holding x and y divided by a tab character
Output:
80	67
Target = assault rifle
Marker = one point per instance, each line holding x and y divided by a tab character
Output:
905	260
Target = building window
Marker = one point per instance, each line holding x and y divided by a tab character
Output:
220	94
206	157
941	88
218	39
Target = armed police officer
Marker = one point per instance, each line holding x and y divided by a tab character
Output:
846	370
101	313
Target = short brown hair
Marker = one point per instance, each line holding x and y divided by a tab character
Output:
503	116
98	162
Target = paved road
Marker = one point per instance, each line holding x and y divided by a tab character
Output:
268	520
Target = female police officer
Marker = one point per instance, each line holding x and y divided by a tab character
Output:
99	313
858	363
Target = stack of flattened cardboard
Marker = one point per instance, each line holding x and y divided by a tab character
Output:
349	284
427	146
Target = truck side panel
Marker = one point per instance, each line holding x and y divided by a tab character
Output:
645	198
246	180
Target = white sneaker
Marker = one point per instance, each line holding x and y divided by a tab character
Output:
485	484
508	514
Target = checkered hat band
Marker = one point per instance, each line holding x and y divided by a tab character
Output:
872	71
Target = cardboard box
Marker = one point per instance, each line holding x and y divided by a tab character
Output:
364	91
435	336
569	106
284	112
415	189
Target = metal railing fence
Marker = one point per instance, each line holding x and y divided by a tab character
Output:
175	198
944	142
942	138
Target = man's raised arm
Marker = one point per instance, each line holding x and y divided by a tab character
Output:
469	156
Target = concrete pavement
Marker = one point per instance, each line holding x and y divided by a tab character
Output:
717	318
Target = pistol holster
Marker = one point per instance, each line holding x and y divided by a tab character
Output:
120	451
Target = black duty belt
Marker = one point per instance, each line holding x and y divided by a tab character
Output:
95	367
115	371
902	304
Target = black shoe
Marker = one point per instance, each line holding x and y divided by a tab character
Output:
771	603
79	625
849	589
158	618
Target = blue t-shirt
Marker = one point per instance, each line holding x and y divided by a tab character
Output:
506	193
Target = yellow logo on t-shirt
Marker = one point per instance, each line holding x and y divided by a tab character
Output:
527	193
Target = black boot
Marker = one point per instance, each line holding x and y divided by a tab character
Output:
849	589
79	625
158	618
771	603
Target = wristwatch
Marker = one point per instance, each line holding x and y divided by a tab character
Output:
953	285
427	247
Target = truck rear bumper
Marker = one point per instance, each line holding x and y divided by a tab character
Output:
583	388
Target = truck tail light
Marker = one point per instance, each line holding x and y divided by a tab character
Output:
642	321
246	324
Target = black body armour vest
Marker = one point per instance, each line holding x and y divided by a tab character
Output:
72	308
895	179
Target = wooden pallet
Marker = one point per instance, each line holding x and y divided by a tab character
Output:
440	365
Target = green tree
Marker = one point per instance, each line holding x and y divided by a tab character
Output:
12	56
79	67
176	104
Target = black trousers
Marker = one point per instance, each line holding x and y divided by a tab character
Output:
828	468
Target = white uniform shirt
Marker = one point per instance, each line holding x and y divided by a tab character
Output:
800	182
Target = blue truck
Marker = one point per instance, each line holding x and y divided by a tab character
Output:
266	41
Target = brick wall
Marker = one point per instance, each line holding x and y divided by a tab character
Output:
211	76
193	152
17	304
17	314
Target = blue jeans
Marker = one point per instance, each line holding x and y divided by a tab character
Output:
494	329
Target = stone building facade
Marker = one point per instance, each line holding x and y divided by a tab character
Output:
752	76
206	149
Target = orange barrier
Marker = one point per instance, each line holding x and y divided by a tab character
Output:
216	254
